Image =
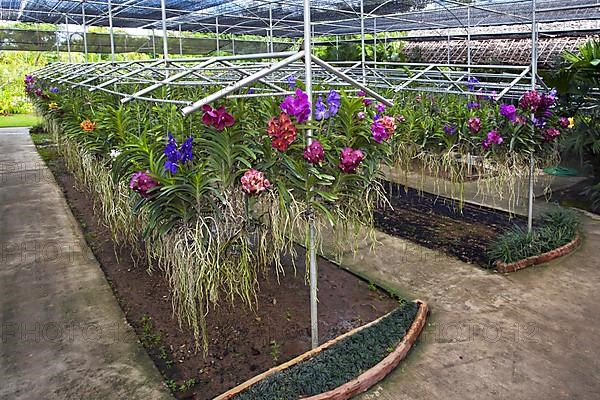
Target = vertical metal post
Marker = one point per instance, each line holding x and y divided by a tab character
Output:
337	48
111	31
233	45
57	46
85	47
153	44
68	38
362	42
448	46
469	40
314	320
534	56
469	163
375	42
180	42
163	9
270	29
217	32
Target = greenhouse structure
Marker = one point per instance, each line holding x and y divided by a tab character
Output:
269	199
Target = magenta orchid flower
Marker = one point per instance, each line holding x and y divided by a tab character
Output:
217	117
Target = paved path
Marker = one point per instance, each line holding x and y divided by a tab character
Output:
528	335
62	333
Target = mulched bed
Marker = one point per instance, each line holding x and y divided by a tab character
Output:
243	342
439	223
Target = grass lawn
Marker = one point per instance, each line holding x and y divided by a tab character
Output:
19	120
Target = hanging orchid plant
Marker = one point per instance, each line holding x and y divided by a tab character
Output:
221	195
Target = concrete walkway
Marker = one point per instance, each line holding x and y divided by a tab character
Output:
62	333
529	335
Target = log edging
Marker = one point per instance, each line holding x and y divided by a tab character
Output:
359	384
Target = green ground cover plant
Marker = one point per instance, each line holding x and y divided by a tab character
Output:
339	363
555	229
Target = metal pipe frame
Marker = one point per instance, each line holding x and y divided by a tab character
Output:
362	40
84	26
139	94
531	180
225	70
242	83
250	13
127	75
111	31
163	10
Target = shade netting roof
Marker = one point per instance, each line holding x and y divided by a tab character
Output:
330	17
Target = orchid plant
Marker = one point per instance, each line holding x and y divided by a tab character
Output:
221	195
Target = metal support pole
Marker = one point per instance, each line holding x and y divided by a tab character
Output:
314	318
270	28
448	46
111	31
233	45
180	42
217	32
153	44
375	42
469	39
163	9
85	48
57	46
534	55
337	48
362	42
68	37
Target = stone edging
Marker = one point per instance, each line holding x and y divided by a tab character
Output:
540	259
363	381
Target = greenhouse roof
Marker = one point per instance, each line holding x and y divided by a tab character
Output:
329	17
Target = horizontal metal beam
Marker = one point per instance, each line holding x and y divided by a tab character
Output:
242	83
351	81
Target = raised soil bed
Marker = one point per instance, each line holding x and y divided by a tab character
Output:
439	223
242	342
330	350
540	259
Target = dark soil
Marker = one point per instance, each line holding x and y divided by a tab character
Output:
440	223
242	342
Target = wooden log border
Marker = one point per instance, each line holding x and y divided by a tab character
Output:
364	381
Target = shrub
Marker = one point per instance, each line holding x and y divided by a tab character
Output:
592	193
562	219
557	228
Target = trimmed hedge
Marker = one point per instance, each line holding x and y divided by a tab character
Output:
339	363
556	229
